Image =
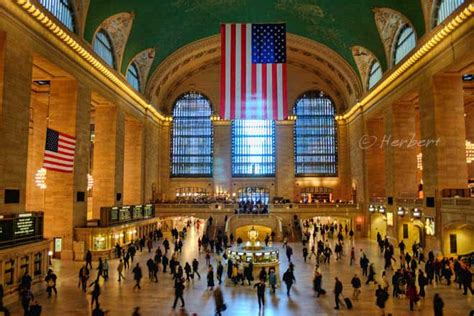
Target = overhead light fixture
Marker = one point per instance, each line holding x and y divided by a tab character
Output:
468	77
419	161
371	208
469	151
90	182
381	209
42	82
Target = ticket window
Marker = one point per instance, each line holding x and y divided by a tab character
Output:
38	263
100	243
9	274
24	265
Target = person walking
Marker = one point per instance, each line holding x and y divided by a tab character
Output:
438	305
289	252
137	276
381	298
89	259
260	293
289	279
412	294
356	285
178	292
337	292
210	278
120	271
272	279
195	265
136	311
371	277
83	276
219	272
318	283
95	292
219	300
352	260
364	264
422	281
26	299
35	309
51	279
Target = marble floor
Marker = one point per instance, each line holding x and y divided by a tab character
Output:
157	298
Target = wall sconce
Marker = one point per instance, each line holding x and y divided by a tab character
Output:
371	208
90	182
416	212
400	211
381	209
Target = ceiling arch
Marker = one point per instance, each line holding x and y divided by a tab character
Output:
333	73
168	25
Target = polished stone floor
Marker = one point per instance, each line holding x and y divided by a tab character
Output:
157	298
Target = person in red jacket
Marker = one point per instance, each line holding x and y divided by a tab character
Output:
412	294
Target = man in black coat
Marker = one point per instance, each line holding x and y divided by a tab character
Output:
178	292
260	293
337	292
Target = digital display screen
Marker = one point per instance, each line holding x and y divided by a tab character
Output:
20	228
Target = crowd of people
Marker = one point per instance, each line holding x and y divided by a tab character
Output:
405	275
252	207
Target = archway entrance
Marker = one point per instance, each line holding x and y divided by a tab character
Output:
378	224
263	231
410	232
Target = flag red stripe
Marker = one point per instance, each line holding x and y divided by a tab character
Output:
232	71
254	91
243	65
70	157
59	170
223	92
274	90
264	92
67	141
46	160
285	97
72	138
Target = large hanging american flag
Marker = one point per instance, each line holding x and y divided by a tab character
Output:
253	71
59	151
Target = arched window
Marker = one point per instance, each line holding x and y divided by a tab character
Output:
132	76
103	47
375	73
253	148
191	154
315	136
406	41
445	8
62	10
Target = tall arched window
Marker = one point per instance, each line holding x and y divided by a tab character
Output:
103	47
191	153
445	8
315	136
405	42
133	76
62	10
375	73
253	148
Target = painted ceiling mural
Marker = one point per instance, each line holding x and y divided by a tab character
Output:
364	59
168	25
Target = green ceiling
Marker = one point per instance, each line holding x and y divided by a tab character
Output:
168	25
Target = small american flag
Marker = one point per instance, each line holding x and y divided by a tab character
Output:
253	71
59	151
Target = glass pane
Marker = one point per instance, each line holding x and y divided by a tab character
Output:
132	76
405	43
375	74
315	136
62	10
445	8
253	148
192	136
103	47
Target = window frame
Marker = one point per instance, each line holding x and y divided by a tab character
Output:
439	5
107	45
172	139
69	9
235	155
399	43
316	95
372	73
135	75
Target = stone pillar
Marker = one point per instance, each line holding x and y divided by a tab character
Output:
69	113
222	172
343	190
400	152
133	162
164	159
151	161
108	157
285	165
15	94
443	131
374	155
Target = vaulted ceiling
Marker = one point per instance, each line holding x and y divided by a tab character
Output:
168	25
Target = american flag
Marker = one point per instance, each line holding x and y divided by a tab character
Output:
59	151
253	71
